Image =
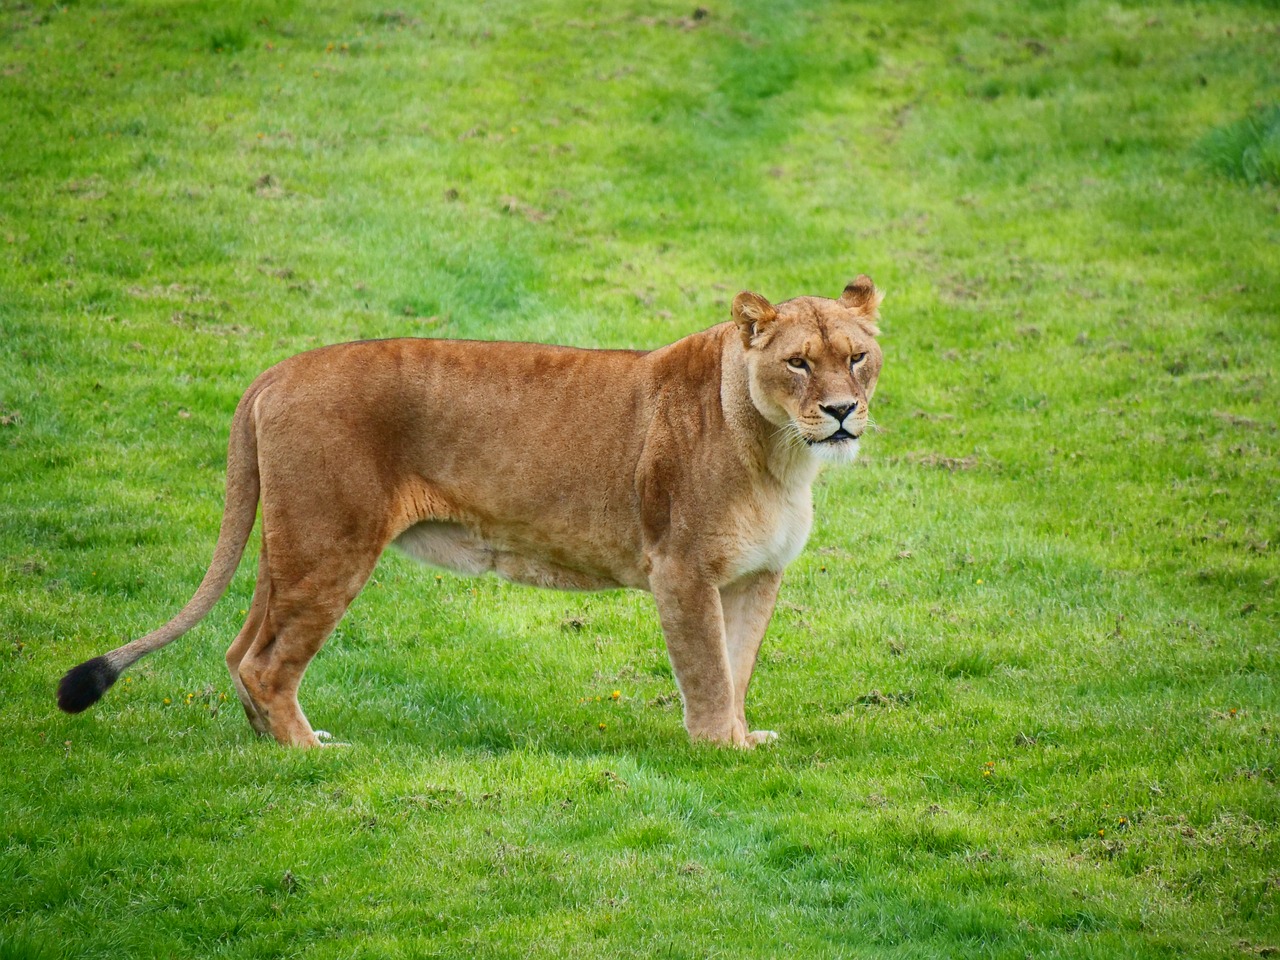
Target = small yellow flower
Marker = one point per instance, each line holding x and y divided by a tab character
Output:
979	579
1102	833
602	726
167	701
615	695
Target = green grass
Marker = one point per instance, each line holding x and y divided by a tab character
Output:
1025	672
1248	149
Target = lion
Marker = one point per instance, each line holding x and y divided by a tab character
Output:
685	471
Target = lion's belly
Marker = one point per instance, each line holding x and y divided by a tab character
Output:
454	547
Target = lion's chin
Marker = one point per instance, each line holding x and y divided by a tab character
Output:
835	451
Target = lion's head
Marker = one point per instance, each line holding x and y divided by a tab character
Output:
812	364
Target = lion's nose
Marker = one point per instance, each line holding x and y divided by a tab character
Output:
839	410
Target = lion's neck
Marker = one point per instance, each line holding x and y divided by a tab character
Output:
765	447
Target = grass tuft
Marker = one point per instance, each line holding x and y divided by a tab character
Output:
1248	149
230	39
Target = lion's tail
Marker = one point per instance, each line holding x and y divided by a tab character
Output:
84	685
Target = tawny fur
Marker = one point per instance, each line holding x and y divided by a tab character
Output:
685	471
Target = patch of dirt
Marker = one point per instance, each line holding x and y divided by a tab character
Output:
173	291
90	188
963	289
396	19
1245	423
950	464
611	779
207	323
877	699
433	797
700	17
517	207
268	187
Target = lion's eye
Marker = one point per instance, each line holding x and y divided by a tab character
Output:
856	359
797	363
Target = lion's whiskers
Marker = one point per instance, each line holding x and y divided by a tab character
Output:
790	435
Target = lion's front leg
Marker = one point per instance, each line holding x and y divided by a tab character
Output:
693	625
748	607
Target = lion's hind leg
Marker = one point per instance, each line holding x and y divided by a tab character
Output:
244	640
320	548
301	612
330	505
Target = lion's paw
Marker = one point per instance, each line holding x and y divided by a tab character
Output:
758	738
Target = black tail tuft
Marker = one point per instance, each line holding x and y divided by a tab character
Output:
83	686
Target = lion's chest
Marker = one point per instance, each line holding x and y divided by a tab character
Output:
772	532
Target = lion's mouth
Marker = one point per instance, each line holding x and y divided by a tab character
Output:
839	436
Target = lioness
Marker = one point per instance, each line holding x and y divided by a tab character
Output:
685	471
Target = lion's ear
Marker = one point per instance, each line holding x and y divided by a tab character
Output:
752	313
861	295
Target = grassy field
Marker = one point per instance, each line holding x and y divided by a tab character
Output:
1026	673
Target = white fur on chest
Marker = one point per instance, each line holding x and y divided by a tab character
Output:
776	533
